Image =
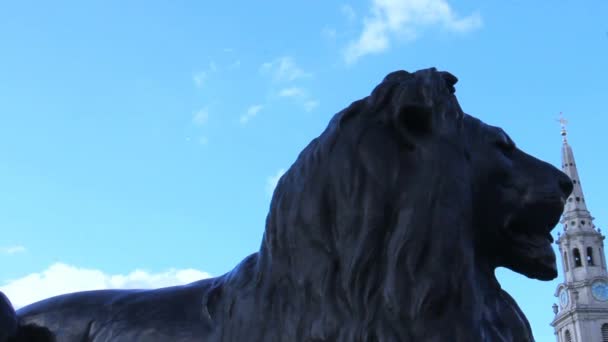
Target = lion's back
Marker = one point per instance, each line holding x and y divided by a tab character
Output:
171	313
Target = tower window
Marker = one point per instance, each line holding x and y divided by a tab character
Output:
574	181
589	256
567	336
578	199
583	223
577	258
604	332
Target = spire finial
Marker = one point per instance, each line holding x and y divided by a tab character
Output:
562	121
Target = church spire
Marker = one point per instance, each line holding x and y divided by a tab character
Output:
563	122
576	215
582	314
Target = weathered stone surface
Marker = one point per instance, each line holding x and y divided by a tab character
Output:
388	227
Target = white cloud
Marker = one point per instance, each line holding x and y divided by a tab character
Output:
12	250
199	78
201	117
284	69
60	278
292	92
348	12
235	65
405	19
310	105
329	33
271	182
252	111
301	96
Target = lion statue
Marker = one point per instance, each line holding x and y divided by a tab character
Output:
387	227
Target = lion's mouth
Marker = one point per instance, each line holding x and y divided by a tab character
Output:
526	228
530	245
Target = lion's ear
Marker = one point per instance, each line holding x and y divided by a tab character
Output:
415	118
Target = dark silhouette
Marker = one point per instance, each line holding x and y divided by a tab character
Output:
8	319
388	227
9	331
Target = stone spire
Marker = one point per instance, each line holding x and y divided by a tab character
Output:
576	216
582	314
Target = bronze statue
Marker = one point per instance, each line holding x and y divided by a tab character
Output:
388	227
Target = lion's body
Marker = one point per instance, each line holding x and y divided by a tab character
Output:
168	314
200	312
388	227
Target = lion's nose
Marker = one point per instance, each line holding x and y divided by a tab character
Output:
565	184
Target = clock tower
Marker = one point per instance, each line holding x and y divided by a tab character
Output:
582	314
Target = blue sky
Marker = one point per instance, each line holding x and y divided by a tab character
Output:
147	135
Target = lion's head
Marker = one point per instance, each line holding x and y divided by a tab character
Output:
518	201
392	221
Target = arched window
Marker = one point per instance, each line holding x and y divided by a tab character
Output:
589	256
604	332
566	261
567	336
577	258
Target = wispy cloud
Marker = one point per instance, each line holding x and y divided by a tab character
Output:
288	74
235	65
389	19
301	96
310	105
348	12
200	78
201	117
284	69
329	33
292	92
12	250
271	182
60	278
251	112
